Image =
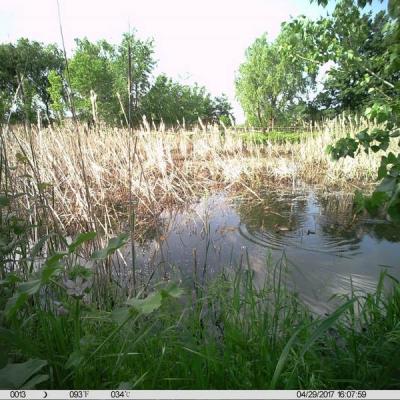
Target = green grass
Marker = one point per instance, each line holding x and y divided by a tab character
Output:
232	334
276	137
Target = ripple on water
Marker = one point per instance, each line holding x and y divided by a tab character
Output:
323	244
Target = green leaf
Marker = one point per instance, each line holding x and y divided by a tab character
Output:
113	245
53	260
21	158
394	205
51	267
11	279
325	324
120	315
172	290
387	185
359	202
147	305
48	272
7	336
13	376
377	200
74	360
30	287
283	357
321	328
80	239
35	381
20	298
44	185
382	171
14	303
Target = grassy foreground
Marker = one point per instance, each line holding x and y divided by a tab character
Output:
232	334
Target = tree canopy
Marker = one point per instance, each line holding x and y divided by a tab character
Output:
96	82
269	83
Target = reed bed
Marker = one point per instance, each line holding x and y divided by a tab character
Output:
86	174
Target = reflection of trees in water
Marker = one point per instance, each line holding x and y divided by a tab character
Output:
273	212
285	220
339	221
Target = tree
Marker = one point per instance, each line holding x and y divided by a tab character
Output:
385	108
173	102
8	82
223	110
56	91
91	75
356	45
142	64
27	64
268	82
352	84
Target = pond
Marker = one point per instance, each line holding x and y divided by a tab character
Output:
326	250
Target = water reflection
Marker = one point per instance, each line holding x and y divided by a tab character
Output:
323	243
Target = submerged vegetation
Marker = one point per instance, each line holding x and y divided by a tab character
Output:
95	158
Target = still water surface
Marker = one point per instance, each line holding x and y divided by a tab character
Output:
322	243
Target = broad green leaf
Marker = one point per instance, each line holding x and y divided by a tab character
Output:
80	239
31	384
74	360
172	290
120	315
387	185
51	267
48	272
13	376
20	298
147	305
377	200
11	279
14	303
113	245
30	287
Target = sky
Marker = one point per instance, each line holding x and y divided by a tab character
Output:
195	41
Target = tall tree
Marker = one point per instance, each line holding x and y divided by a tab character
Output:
173	102
355	43
385	108
92	79
268	82
28	64
223	110
142	64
